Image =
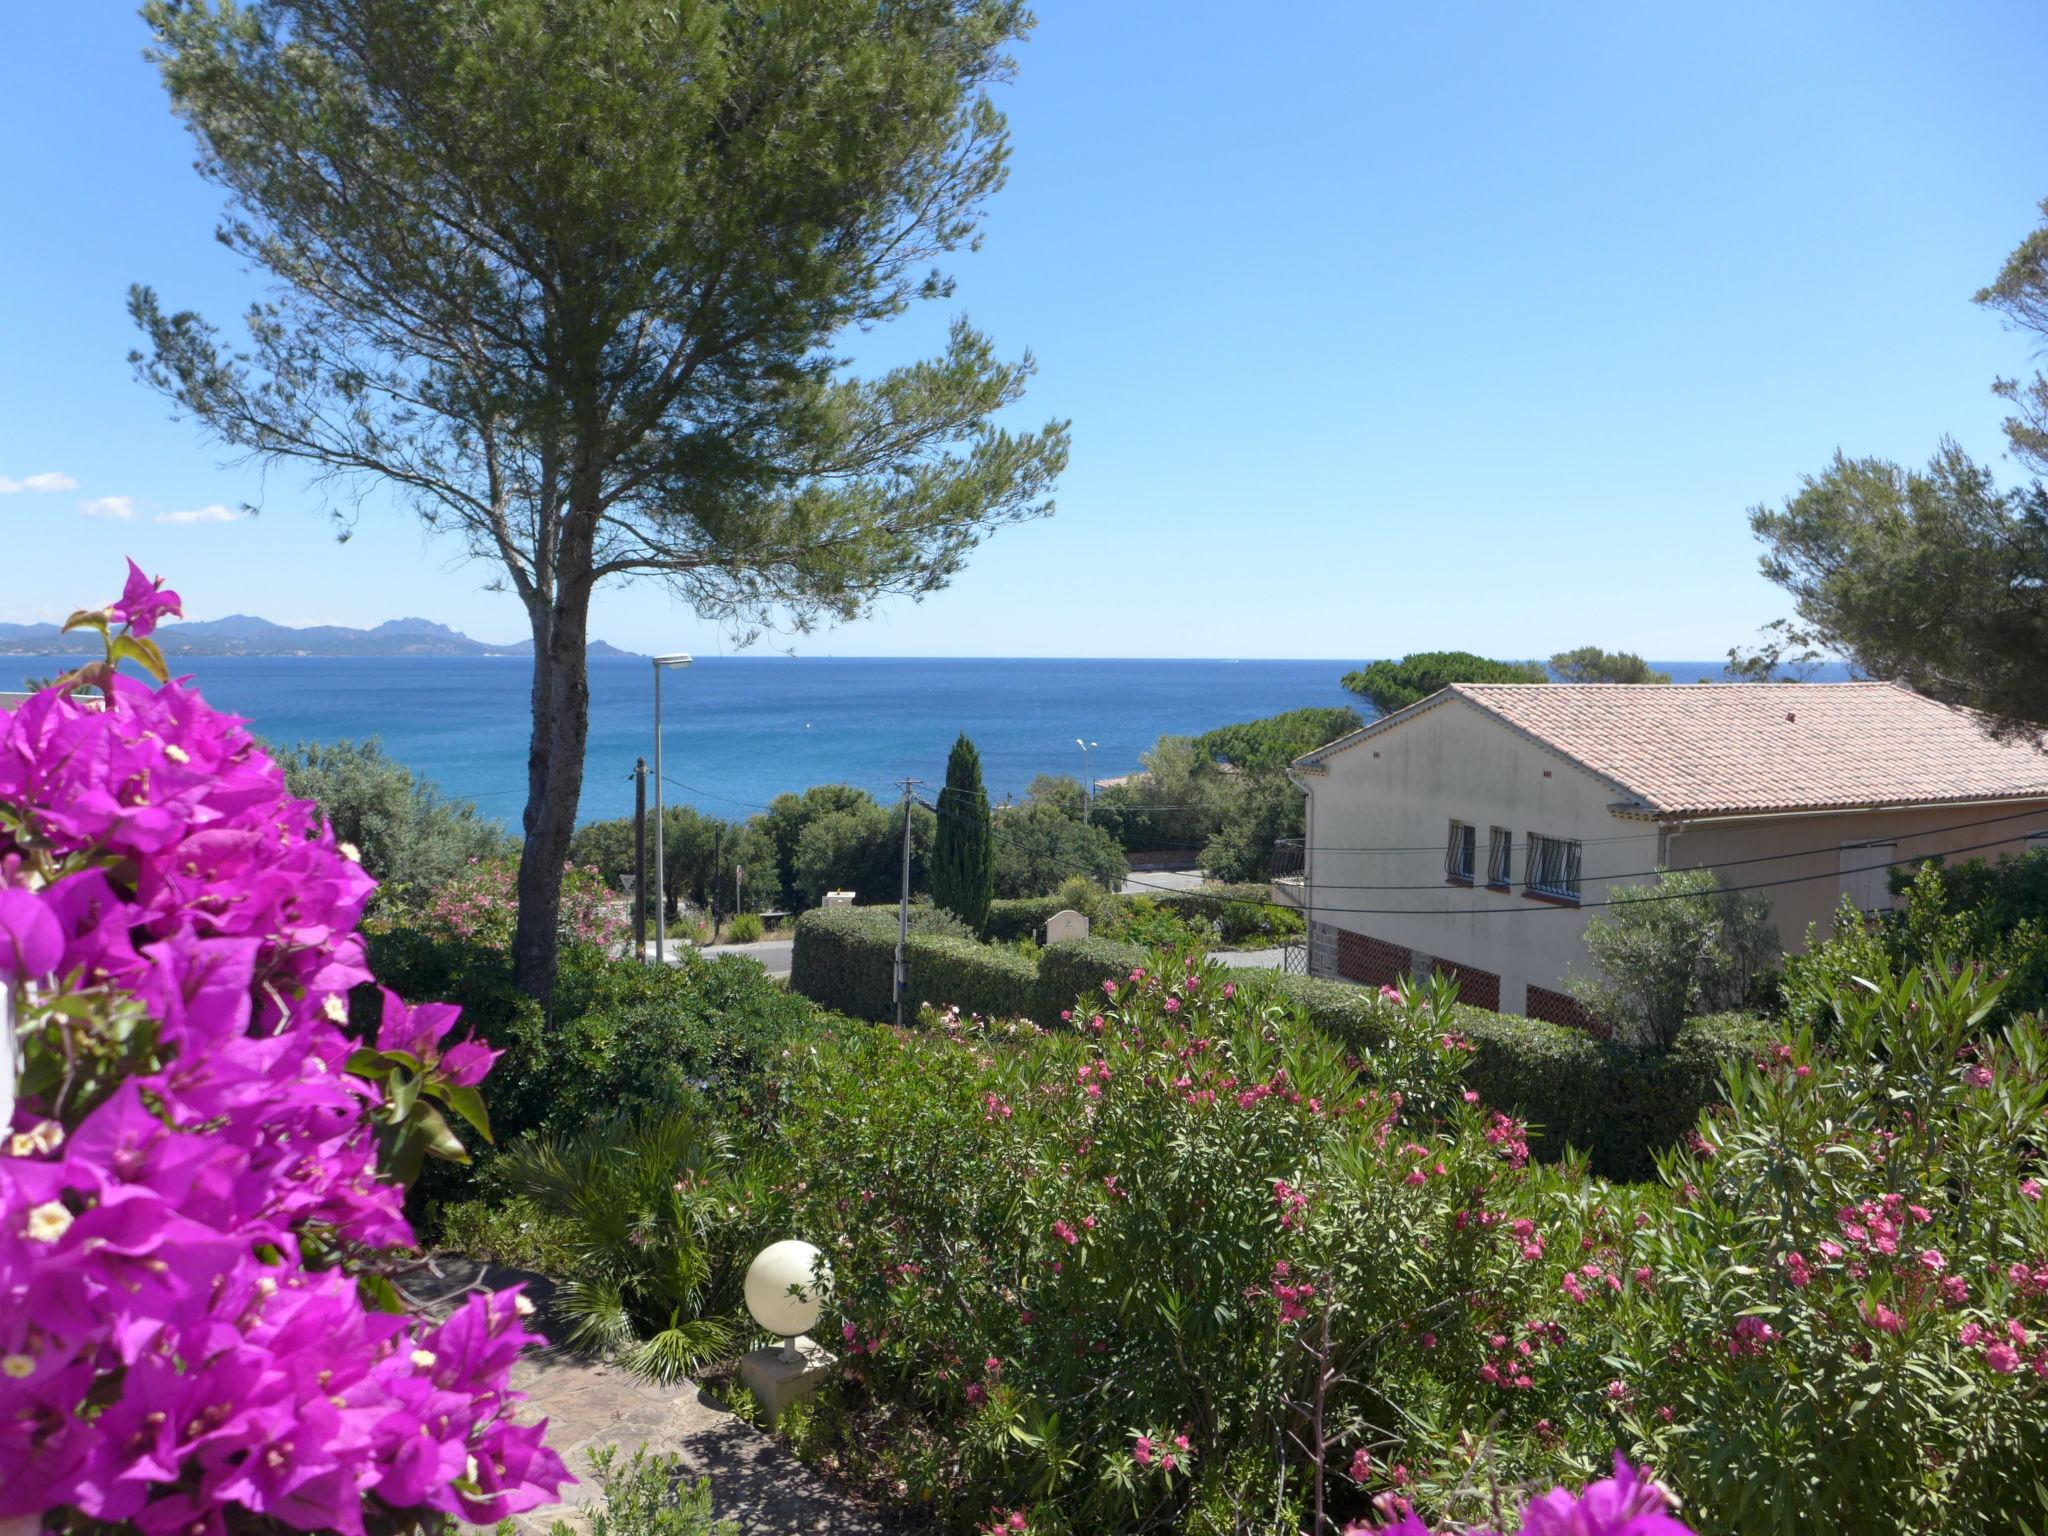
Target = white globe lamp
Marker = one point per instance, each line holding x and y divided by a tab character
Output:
786	1288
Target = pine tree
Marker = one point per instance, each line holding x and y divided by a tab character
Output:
964	851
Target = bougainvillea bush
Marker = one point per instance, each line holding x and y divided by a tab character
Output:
199	1326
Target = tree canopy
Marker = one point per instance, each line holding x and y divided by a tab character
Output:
1392	685
1590	664
1277	740
1934	578
963	846
571	281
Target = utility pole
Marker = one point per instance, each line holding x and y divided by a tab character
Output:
1087	781
660	827
717	847
640	860
903	909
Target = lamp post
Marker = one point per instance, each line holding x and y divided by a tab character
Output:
1087	780
660	884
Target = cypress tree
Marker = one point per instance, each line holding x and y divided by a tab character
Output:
964	851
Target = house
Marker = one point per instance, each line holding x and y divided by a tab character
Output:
1479	831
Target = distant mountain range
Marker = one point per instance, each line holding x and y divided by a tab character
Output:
240	634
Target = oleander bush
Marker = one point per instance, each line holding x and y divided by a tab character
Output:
1846	1327
1098	1274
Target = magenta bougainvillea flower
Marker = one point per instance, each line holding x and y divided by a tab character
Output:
191	1192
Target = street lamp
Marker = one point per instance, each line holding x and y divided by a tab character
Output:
660	888
1087	780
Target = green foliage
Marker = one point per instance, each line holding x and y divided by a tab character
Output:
1936	579
1994	913
1177	800
1392	685
1062	791
408	833
506	1232
2020	294
844	959
1112	1246
1669	952
785	820
1784	653
1847	1301
651	1495
1619	1104
963	862
700	855
620	1037
1020	918
1038	846
861	850
661	1226
1616	1103
1590	664
1277	740
744	929
1266	807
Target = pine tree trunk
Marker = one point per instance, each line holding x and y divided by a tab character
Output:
554	776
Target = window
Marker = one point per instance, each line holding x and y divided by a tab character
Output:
1459	852
1866	871
1500	859
1552	867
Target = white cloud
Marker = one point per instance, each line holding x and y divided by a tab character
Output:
49	480
121	508
211	514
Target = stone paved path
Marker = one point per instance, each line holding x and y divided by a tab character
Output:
588	1404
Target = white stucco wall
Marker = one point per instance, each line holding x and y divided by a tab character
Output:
1399	790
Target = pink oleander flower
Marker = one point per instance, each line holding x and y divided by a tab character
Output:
1141	1451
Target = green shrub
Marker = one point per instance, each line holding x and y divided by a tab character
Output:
1071	974
1021	917
621	1036
844	958
1845	1316
407	832
1037	846
508	1233
987	979
1124	1249
1672	951
1620	1104
661	1227
744	929
652	1495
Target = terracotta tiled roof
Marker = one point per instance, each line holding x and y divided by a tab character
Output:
1734	748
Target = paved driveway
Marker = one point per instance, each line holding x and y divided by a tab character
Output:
772	953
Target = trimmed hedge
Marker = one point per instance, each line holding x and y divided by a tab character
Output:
844	958
1619	1104
1020	918
1077	969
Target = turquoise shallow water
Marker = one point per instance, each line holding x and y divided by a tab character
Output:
740	730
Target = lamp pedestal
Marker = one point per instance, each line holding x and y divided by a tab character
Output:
780	1376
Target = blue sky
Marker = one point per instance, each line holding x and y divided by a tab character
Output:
1381	327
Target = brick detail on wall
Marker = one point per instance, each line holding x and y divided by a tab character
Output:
1563	1008
1476	988
1372	961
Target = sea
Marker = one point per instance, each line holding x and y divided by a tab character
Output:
737	731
